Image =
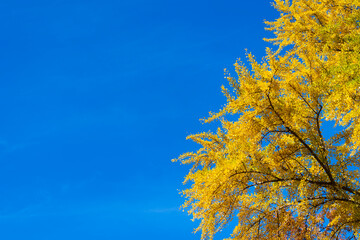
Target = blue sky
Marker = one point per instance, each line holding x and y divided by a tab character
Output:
97	97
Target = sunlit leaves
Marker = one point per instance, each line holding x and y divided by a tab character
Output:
272	171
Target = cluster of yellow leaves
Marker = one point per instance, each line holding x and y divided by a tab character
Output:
272	170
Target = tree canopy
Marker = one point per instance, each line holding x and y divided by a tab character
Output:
272	170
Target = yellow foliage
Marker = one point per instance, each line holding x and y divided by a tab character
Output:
271	170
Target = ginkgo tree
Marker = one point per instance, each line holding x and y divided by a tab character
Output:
272	171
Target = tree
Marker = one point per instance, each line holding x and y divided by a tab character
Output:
272	170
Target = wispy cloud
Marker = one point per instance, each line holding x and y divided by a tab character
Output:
51	208
7	147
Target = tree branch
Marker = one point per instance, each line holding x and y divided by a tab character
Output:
324	166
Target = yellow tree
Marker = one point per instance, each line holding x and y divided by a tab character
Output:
272	171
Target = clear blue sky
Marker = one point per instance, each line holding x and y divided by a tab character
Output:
97	97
